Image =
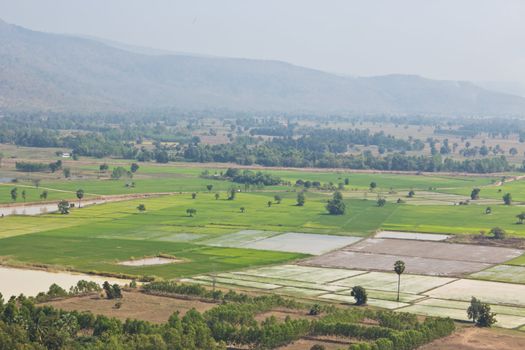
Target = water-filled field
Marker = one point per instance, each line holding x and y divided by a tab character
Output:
32	282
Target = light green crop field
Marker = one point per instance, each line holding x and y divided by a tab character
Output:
515	188
175	177
180	183
454	219
95	238
384	181
207	245
33	194
503	273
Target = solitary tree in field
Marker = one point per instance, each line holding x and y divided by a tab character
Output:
488	210
80	195
63	207
381	202
278	198
242	209
480	313
269	203
411	194
521	217
191	211
300	199
23	195
103	167
193	195
14	194
474	195
497	232
43	195
373	185
399	268
232	193
134	167
360	295
141	208
209	187
336	206
507	199
217	196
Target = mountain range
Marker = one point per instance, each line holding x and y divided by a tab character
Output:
44	72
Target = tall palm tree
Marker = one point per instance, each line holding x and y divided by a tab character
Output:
399	268
80	195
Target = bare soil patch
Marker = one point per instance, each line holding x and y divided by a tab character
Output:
436	250
135	305
473	338
421	257
384	262
330	343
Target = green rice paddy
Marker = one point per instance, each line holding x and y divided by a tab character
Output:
208	245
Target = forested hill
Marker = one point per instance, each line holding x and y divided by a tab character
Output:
60	73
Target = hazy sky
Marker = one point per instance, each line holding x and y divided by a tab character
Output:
444	39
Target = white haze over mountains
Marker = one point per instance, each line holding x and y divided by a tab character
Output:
467	40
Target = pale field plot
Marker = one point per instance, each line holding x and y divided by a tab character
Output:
392	296
236	282
305	243
503	321
489	292
302	273
418	236
412	284
238	239
463	305
283	282
502	273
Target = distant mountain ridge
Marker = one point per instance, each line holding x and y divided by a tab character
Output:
61	73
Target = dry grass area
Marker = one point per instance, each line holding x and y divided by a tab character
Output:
330	343
473	338
509	242
135	305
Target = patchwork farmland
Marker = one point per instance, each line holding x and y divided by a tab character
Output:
295	251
